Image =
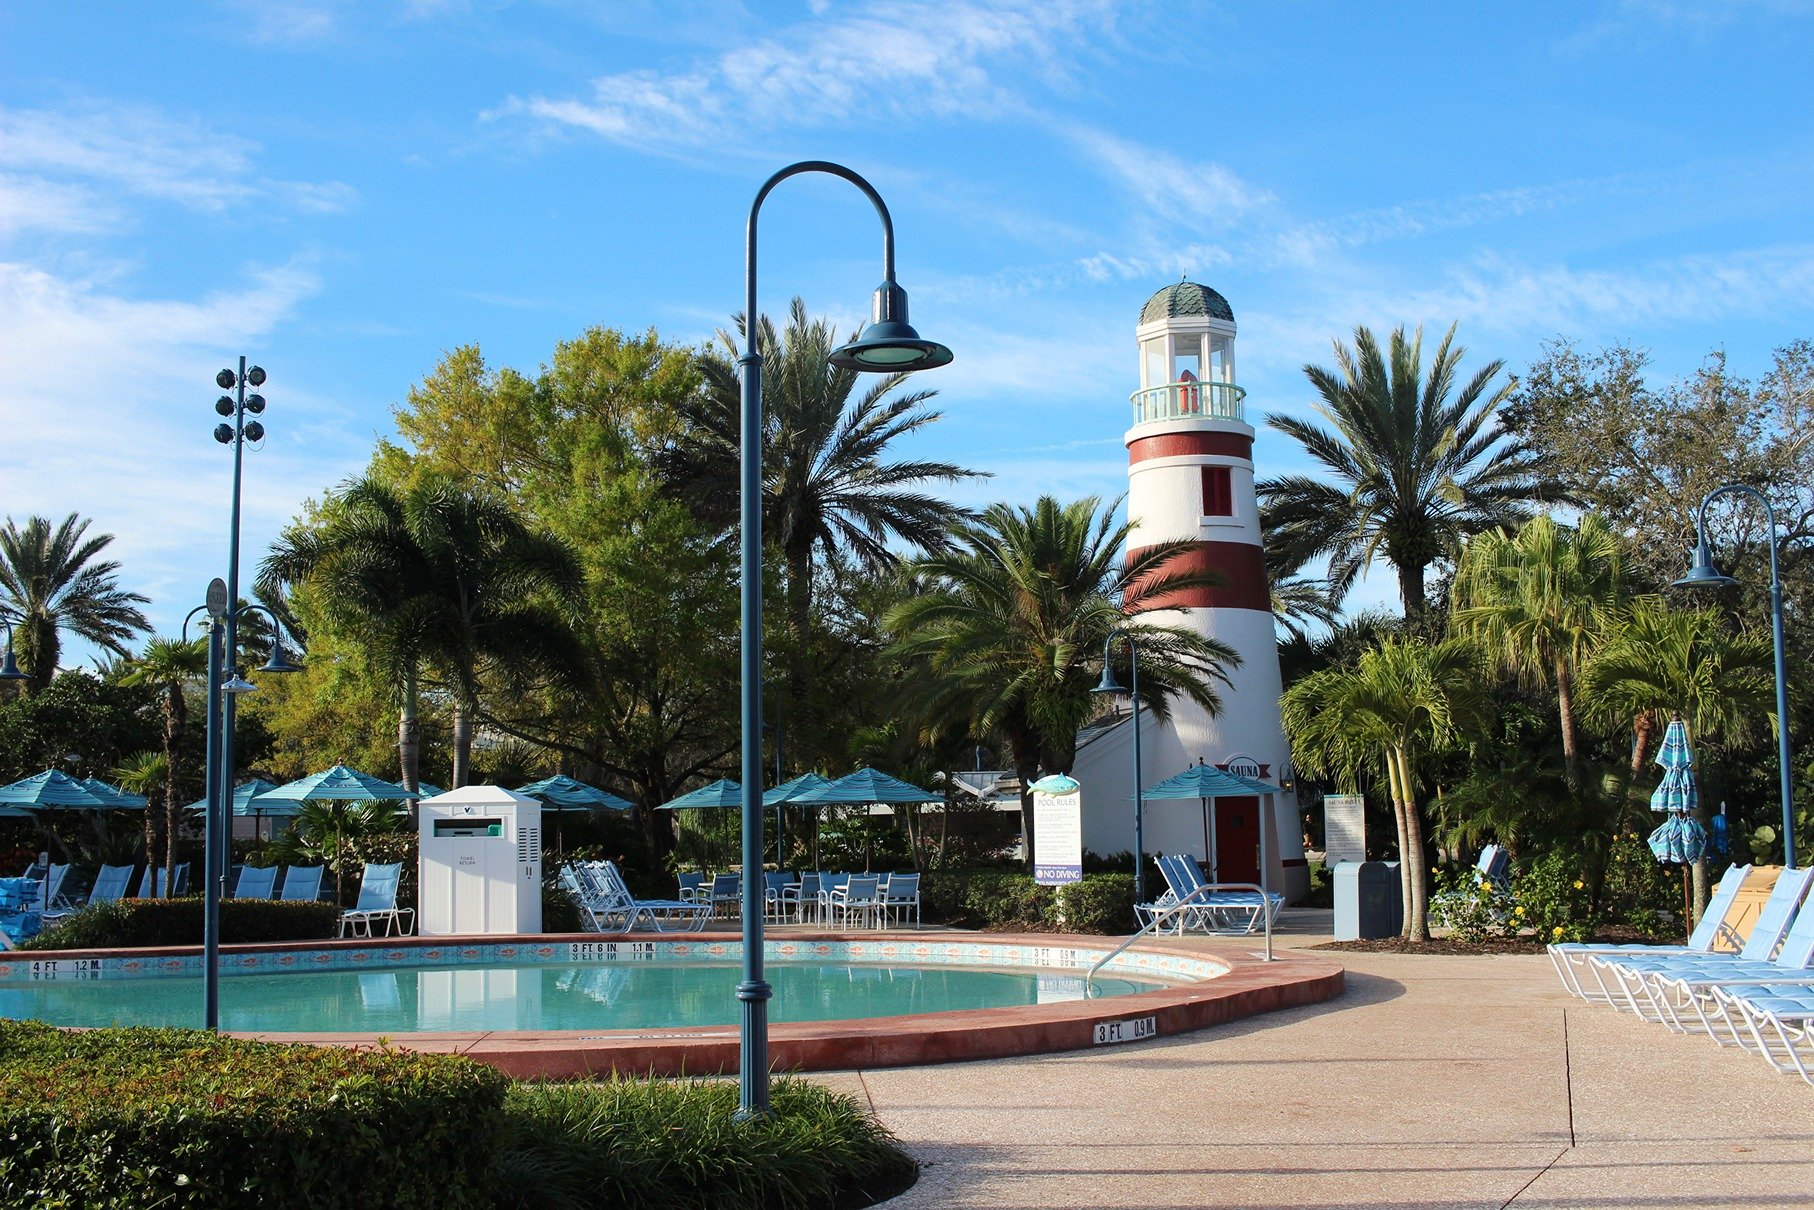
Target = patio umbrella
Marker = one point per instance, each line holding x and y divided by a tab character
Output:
116	798
1206	782
869	786
561	793
249	800
779	797
1680	839
339	785
723	793
58	791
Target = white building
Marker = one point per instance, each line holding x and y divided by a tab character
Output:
1191	476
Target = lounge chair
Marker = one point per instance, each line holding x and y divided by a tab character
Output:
110	883
861	895
378	901
255	882
1775	1021
609	906
152	883
19	915
300	883
1222	911
901	893
1626	979
1571	958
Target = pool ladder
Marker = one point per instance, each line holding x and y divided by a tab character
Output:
1171	910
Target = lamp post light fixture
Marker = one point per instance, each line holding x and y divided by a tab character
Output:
1110	686
887	345
9	669
1703	574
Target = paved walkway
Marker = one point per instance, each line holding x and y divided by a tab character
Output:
1433	1082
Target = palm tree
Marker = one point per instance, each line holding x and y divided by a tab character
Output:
1536	601
1009	628
828	487
1400	699
1406	473
441	579
170	666
48	585
149	773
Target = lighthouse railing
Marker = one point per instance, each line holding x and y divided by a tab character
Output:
1188	401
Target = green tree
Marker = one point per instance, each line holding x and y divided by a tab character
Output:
1536	601
153	775
170	667
1406	473
1011	624
1400	701
49	583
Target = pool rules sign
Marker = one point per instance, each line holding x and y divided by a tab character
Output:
1057	831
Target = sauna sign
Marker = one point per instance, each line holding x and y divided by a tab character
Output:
1057	831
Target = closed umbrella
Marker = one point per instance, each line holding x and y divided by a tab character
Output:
1680	839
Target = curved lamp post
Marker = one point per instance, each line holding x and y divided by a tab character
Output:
1110	685
887	345
1703	574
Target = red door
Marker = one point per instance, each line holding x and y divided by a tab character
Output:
1238	839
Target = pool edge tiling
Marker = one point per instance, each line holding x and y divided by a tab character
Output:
1242	985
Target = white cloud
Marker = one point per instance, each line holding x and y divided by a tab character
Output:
31	203
1195	195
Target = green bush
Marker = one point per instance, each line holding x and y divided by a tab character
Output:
1003	899
1552	897
119	1119
1101	903
560	911
136	923
1472	907
674	1145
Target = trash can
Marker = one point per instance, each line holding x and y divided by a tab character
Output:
1368	900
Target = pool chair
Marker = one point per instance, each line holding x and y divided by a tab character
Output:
901	895
662	915
20	918
110	883
1493	868
1230	911
1776	1022
690	886
859	897
773	885
1570	958
1627	982
152	884
726	894
301	883
800	898
255	883
378	902
828	886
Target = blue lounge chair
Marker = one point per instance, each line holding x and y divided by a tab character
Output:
378	887
110	883
152	883
255	882
1570	959
1224	911
301	883
1677	990
1777	1022
610	907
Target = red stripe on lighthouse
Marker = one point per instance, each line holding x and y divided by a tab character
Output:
1241	565
1188	445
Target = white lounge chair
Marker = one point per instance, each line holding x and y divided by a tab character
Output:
378	887
1571	958
660	914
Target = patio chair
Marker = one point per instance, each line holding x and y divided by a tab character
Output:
690	885
301	883
663	915
773	884
726	894
255	882
378	887
20	918
1570	958
110	883
829	884
901	893
152	884
1775	1022
801	897
861	895
1624	978
50	890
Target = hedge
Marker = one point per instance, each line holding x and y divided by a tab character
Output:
119	1119
135	923
993	898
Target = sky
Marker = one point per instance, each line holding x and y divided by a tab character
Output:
342	190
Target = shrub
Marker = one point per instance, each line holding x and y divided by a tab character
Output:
1101	903
674	1145
134	923
1553	898
1471	907
1002	900
128	1118
560	911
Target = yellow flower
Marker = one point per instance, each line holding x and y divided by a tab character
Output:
1579	884
1520	911
1483	884
1557	931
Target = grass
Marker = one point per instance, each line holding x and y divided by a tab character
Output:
675	1145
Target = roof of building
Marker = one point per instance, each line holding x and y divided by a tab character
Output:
1186	298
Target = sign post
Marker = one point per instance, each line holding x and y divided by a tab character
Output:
1057	831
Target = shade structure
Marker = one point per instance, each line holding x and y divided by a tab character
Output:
427	790
721	793
793	791
249	799
339	784
1205	781
866	786
57	791
563	793
118	799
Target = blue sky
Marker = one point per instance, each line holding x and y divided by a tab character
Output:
344	190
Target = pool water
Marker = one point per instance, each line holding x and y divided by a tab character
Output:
611	995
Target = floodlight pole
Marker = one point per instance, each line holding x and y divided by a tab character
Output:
1783	756
754	991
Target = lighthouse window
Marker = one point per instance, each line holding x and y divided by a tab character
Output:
1153	362
1220	368
1187	358
1218	493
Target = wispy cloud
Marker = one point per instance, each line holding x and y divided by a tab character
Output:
31	203
1196	194
1693	18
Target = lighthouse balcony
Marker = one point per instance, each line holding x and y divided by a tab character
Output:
1188	400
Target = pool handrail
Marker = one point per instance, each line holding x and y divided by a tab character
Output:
1160	913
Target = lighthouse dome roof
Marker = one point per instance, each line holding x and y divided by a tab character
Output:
1186	298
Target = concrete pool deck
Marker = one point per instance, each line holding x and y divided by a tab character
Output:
1435	1081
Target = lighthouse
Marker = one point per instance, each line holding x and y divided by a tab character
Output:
1191	478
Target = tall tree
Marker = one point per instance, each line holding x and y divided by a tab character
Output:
446	579
169	666
1399	701
1011	624
49	583
1536	601
829	484
1406	473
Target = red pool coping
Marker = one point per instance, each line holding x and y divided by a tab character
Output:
1251	986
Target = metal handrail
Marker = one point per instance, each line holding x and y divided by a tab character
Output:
1173	909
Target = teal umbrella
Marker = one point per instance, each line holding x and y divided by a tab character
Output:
1204	783
721	793
866	786
793	791
339	784
563	793
249	799
56	790
117	798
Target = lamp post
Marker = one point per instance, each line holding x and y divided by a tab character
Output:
887	345
1703	574
1110	685
9	670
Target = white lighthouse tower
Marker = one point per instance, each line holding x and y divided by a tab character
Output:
1191	477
